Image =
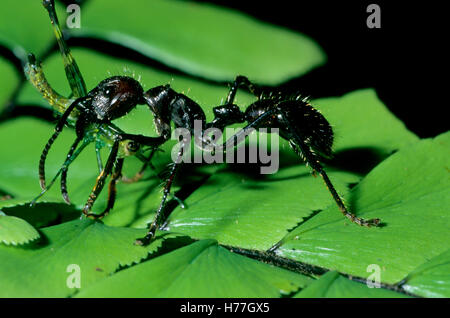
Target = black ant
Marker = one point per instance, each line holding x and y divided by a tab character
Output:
91	113
308	132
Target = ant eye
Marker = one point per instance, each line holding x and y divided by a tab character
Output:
109	90
133	146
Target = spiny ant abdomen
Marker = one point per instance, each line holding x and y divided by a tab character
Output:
308	123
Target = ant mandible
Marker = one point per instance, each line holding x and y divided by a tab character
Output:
91	113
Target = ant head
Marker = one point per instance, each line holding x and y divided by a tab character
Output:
115	96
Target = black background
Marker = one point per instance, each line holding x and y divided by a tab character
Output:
403	60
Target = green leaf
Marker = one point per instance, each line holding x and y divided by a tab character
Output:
410	192
204	40
333	285
42	215
202	269
19	174
8	81
15	231
361	120
256	213
25	27
431	279
19	165
86	247
236	210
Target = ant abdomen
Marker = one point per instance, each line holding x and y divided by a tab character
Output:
310	125
298	115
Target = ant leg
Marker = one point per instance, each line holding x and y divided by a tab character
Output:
65	165
112	186
73	73
64	192
99	184
35	75
228	113
59	127
156	221
111	189
98	147
241	81
145	140
303	150
244	132
179	201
